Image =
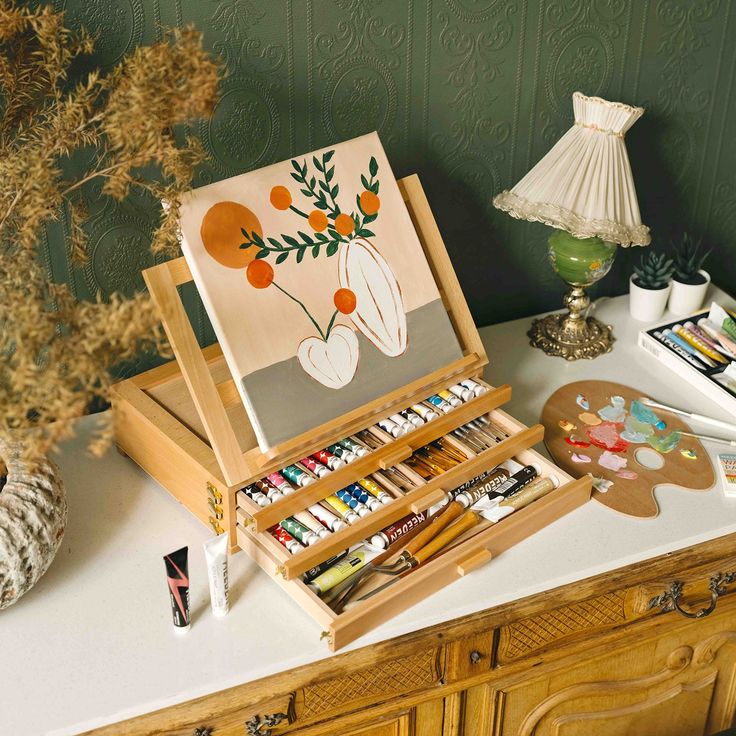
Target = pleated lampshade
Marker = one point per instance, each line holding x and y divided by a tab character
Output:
584	184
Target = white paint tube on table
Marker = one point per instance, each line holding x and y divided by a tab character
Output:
215	555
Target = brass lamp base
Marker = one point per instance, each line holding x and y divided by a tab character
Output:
553	335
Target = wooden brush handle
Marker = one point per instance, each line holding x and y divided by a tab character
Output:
468	520
443	519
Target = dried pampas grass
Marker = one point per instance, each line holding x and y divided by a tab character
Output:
56	354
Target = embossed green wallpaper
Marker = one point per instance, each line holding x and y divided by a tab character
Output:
467	93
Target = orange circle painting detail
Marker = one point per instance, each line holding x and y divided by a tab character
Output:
317	220
344	224
280	198
259	274
222	237
369	202
345	301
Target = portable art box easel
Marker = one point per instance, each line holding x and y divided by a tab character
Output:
184	423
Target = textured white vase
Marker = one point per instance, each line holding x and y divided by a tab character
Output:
33	512
688	298
647	305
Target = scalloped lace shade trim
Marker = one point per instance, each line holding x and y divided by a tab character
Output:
565	219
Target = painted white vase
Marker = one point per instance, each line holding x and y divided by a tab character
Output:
647	305
688	298
332	362
379	309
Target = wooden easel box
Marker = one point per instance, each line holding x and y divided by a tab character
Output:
185	425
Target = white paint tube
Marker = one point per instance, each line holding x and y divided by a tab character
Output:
215	555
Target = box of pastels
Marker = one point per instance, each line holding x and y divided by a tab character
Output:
701	349
408	492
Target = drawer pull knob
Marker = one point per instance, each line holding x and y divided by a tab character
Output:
204	731
258	726
670	599
475	656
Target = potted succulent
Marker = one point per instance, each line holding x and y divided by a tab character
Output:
689	281
649	286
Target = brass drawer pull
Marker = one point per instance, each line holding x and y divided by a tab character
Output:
204	731
255	726
670	599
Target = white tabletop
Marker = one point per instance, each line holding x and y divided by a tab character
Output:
92	643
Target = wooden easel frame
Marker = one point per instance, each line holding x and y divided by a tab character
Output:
211	399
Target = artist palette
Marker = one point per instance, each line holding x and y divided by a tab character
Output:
186	425
602	428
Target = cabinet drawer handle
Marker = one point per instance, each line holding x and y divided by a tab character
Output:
203	731
475	656
258	726
670	599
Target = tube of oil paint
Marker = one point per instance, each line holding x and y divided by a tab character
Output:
215	555
177	578
343	570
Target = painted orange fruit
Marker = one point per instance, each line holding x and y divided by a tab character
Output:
369	202
345	301
344	224
222	237
281	198
259	274
317	220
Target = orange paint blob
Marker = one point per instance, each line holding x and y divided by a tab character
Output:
369	202
259	274
281	198
345	301
221	233
317	220
344	224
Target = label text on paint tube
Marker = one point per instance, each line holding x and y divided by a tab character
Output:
342	570
386	537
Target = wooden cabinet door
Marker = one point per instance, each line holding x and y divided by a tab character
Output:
399	726
679	684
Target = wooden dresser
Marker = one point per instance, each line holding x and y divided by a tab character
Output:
607	655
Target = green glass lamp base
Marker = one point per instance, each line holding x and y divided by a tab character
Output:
580	262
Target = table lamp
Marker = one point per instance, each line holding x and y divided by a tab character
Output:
584	188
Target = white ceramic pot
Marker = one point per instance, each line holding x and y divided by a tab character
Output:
688	298
647	305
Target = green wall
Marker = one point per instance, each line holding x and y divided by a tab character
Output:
469	94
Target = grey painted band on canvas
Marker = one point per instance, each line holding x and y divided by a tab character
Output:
289	402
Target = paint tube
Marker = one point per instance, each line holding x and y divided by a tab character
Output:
343	570
347	498
256	496
312	465
342	453
271	493
405	424
278	481
439	403
476	388
424	412
313	524
386	537
486	486
463	393
326	517
394	429
677	348
508	488
412	416
449	397
342	508
215	555
177	578
361	495
284	538
537	489
297	475
355	447
373	488
317	570
727	343
300	532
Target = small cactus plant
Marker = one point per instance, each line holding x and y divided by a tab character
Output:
688	260
654	270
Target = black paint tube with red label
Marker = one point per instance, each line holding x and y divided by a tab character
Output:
177	578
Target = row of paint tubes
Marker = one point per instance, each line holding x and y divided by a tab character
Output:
359	499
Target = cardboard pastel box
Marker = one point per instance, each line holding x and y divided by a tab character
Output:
703	380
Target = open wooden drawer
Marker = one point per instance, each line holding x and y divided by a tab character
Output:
185	425
469	551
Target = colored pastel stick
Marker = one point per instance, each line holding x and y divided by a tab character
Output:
333	462
671	338
707	339
698	344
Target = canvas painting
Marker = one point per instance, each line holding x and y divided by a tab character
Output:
316	284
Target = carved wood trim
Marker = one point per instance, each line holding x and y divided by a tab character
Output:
529	634
385	680
561	721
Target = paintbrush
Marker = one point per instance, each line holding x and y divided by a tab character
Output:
707	438
727	426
